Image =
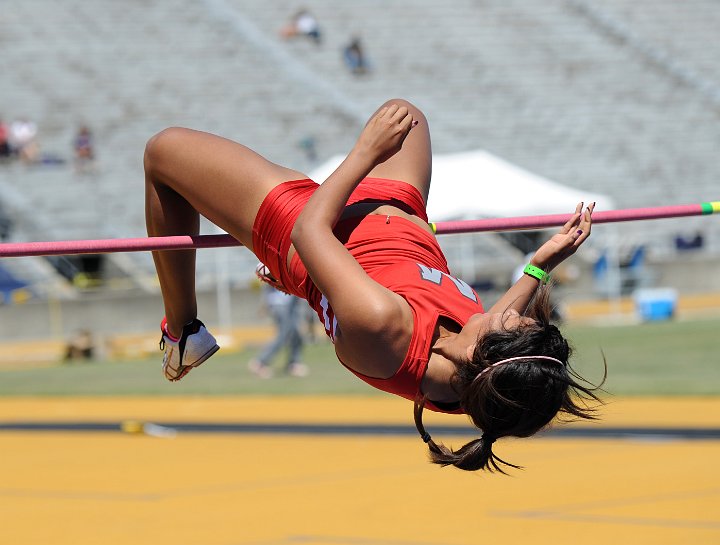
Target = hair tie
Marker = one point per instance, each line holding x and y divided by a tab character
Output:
488	439
426	437
517	358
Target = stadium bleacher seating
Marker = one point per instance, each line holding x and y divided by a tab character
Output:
615	96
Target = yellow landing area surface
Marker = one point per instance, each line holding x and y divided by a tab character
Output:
110	487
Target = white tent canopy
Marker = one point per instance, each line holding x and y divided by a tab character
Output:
477	184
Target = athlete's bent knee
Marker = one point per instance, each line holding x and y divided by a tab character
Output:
160	146
416	112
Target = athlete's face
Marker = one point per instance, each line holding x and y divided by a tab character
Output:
480	325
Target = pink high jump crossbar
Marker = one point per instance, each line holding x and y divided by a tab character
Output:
186	242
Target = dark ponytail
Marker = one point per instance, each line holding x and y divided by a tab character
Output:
476	454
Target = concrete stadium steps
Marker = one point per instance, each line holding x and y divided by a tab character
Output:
674	35
540	84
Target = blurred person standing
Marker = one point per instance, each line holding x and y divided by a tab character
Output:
286	312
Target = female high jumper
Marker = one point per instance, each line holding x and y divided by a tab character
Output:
359	249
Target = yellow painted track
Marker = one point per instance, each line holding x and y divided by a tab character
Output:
109	488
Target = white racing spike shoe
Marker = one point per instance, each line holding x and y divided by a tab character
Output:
196	344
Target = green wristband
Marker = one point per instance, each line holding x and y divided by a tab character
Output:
535	272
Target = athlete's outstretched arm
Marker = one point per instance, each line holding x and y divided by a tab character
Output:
356	299
381	138
556	250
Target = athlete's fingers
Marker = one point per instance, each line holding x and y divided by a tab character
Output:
407	123
586	222
400	113
390	111
590	210
573	221
585	226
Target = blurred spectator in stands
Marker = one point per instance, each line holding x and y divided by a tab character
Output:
22	138
6	225
354	57
309	147
81	346
303	23
4	140
84	149
693	242
286	313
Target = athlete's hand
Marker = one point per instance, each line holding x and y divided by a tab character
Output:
567	241
385	133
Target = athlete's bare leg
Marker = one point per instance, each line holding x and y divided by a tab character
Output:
413	163
188	173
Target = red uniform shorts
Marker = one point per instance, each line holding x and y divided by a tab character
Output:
282	206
